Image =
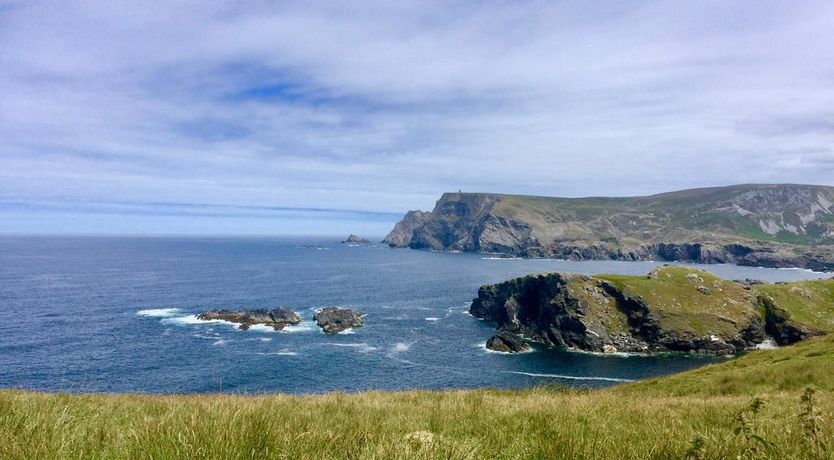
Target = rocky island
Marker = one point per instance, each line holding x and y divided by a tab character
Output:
783	225
333	320
671	309
355	239
277	318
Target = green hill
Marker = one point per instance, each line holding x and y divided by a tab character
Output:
774	225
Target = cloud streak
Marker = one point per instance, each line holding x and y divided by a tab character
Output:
384	105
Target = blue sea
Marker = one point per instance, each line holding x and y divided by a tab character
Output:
115	314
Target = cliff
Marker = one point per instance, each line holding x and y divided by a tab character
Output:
671	309
761	225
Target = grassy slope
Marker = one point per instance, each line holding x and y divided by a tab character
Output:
677	304
810	303
689	215
653	419
601	311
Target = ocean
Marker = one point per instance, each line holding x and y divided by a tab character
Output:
116	314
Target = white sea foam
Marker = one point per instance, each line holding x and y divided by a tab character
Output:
482	346
193	319
360	347
616	354
499	258
159	312
219	343
265	339
767	344
303	327
400	347
347	331
283	352
261	328
208	337
433	319
570	377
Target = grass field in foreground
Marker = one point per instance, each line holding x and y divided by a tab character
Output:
704	413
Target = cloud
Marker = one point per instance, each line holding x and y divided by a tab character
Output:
382	106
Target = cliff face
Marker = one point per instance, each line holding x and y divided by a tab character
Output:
401	235
762	225
671	309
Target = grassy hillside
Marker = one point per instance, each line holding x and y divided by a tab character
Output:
810	303
791	214
673	293
768	225
696	413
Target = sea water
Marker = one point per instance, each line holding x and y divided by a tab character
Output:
115	314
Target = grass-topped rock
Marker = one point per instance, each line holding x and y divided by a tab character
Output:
671	309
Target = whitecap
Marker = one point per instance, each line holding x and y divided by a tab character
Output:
193	319
283	352
261	328
400	347
302	327
265	339
219	343
570	377
361	347
159	312
432	319
209	337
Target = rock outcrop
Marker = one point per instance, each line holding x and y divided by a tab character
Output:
671	309
507	342
780	325
355	239
401	235
333	320
755	225
277	318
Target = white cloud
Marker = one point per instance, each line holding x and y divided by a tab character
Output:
384	105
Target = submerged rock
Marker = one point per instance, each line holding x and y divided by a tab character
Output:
507	342
333	320
277	318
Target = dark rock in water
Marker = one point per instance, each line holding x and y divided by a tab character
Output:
277	318
355	239
333	320
507	342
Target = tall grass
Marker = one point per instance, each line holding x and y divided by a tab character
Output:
534	423
704	414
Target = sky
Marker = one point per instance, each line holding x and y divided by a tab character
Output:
271	118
